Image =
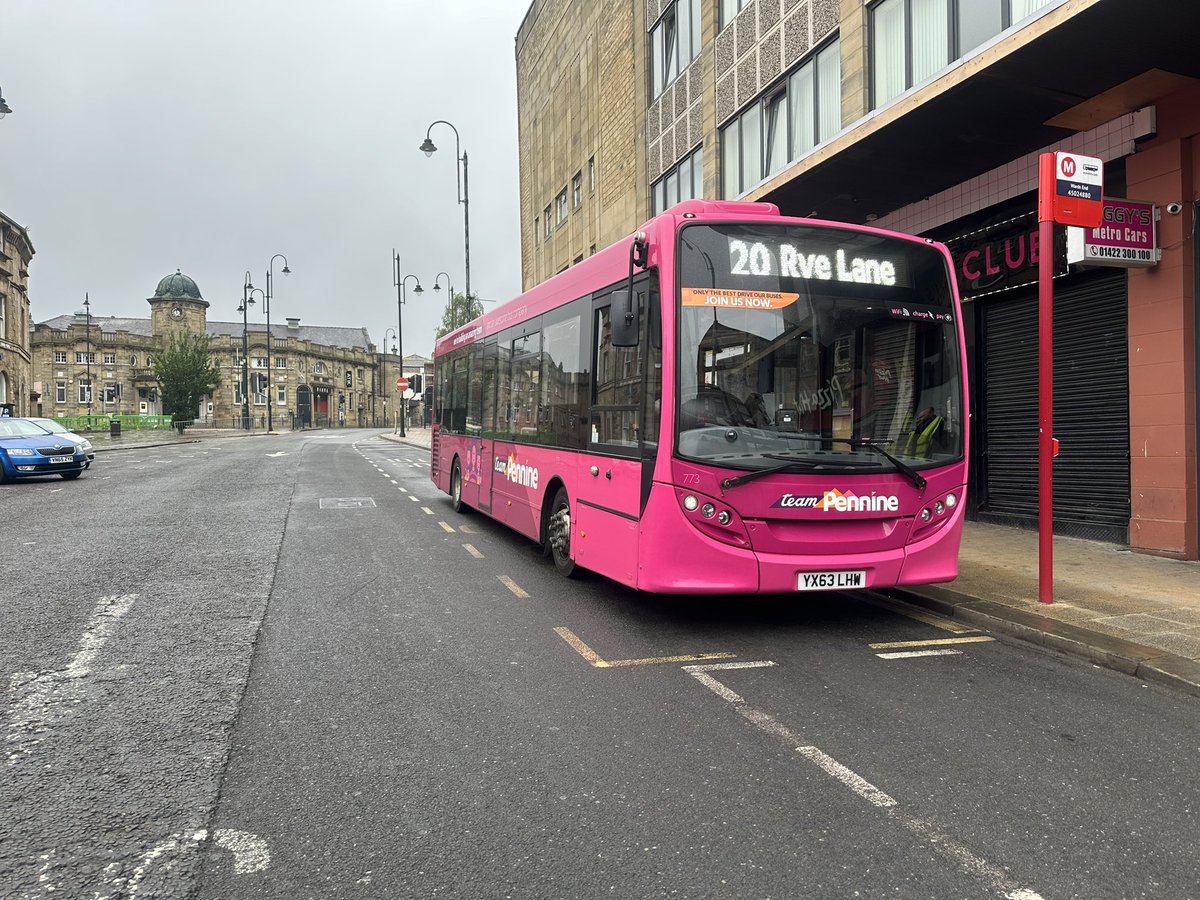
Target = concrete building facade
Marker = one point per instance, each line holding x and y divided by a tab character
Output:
928	118
16	365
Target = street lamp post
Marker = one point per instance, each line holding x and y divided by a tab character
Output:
87	357
400	282
247	302
267	304
428	149
449	290
385	392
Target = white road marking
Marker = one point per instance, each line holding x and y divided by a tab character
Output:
275	455
970	862
414	498
909	654
51	695
427	510
250	853
470	548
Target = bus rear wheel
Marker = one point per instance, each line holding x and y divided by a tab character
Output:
558	534
456	499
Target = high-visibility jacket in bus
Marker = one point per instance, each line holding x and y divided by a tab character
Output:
919	442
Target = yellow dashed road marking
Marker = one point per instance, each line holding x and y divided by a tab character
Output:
446	526
940	642
595	659
475	553
512	585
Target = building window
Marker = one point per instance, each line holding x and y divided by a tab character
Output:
592	175
85	391
112	393
783	125
60	356
911	40
546	219
281	362
149	361
683	182
85	358
281	394
60	392
730	8
2	300
560	203
258	362
577	190
319	368
674	42
133	360
537	228
110	359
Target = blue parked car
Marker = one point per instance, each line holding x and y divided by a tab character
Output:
27	449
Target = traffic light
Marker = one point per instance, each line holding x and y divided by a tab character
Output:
414	382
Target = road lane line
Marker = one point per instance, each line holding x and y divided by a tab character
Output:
910	654
512	585
414	498
581	648
658	660
965	858
896	645
446	526
427	510
910	612
52	695
471	549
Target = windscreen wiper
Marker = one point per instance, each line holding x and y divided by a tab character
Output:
728	483
903	468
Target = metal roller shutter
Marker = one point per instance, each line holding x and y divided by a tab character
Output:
1091	409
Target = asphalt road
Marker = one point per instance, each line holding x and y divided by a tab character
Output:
283	667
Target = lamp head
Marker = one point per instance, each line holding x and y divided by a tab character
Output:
437	286
418	289
4	108
286	270
427	148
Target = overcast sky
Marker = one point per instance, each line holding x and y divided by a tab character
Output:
208	135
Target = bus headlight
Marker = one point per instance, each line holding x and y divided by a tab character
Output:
723	517
708	510
950	501
926	515
690	502
712	517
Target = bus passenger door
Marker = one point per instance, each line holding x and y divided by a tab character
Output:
608	506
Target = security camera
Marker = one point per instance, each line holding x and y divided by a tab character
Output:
1174	208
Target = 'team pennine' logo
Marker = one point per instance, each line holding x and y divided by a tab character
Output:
791	501
517	473
836	501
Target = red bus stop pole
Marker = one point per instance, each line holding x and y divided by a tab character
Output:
1046	378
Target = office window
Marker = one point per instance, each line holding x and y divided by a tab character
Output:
592	175
281	362
683	182
674	42
60	356
780	127
546	219
281	394
560	203
60	392
577	190
85	358
911	40
110	359
730	8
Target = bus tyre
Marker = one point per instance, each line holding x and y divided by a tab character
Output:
558	534
456	499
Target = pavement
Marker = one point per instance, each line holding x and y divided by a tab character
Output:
1129	611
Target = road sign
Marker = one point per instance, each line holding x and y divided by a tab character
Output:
402	384
1071	189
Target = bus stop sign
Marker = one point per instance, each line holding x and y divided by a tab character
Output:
1071	189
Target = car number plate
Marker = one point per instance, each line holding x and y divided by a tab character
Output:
831	581
62	459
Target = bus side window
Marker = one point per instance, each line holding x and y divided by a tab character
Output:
617	388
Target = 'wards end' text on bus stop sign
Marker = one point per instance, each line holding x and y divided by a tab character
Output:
1071	189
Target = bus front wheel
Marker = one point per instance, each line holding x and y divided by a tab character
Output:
558	534
456	499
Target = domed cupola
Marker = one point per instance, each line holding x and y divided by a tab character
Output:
178	287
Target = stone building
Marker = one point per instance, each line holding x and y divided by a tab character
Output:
314	375
927	118
16	369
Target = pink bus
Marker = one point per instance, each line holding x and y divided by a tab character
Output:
728	401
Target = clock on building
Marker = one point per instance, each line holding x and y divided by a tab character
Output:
176	312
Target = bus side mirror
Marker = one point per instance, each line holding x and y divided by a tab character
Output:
625	332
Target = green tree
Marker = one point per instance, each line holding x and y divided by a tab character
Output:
458	312
185	373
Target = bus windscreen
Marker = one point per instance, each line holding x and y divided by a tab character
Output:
825	346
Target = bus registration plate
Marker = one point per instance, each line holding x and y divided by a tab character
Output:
832	581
